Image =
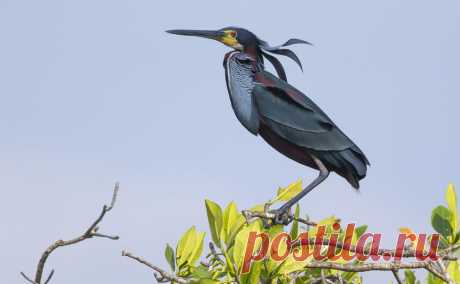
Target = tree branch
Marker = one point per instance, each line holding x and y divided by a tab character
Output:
364	267
163	276
249	215
91	232
267	216
407	253
396	275
444	272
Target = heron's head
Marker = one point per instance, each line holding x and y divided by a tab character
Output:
237	38
246	41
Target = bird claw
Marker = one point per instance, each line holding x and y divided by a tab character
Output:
282	217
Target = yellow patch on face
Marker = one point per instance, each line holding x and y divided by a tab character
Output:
229	38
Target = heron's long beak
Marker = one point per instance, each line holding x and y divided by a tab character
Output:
216	35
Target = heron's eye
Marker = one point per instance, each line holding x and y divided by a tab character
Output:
232	34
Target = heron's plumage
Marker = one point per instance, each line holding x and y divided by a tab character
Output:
283	116
240	83
288	120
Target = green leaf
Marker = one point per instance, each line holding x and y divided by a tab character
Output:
258	208
443	244
253	276
201	272
409	277
198	248
292	265
360	231
432	279
230	261
451	199
273	266
295	223
205	281
241	241
189	248
457	237
229	217
441	219
170	258
185	246
233	221
454	271
327	222
287	193
214	213
349	276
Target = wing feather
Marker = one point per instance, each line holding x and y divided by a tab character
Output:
294	117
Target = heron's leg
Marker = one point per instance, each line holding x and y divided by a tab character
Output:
282	213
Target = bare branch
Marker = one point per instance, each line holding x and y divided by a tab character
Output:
89	233
214	253
27	278
106	236
436	268
451	249
249	215
324	280
49	277
327	279
407	253
364	267
93	228
163	275
444	272
393	267
396	275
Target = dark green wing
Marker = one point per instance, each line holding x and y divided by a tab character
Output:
296	118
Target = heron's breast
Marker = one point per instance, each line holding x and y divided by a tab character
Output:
240	82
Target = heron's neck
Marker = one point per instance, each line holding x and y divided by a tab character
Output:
254	52
239	76
256	62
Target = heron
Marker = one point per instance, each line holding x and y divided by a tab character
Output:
290	122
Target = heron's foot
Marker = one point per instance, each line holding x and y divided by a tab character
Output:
282	217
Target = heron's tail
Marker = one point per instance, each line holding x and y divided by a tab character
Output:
349	163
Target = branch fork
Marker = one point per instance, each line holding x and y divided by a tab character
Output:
91	232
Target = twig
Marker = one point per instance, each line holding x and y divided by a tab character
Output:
324	280
407	253
363	267
393	267
214	253
27	278
89	233
163	276
266	215
444	272
396	275
327	279
341	281
451	248
249	215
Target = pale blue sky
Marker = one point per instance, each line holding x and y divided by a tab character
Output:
95	91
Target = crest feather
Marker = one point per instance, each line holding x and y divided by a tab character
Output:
281	51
